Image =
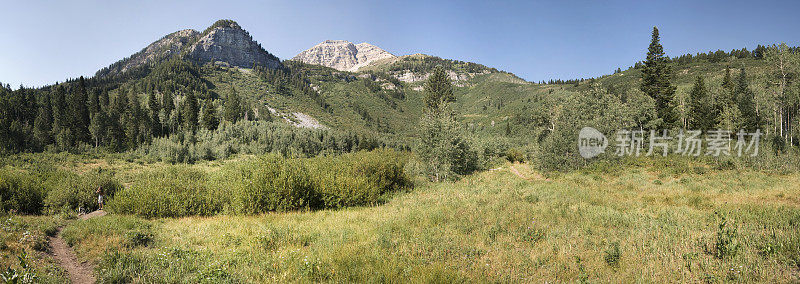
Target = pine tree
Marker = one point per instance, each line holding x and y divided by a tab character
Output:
656	76
210	120
724	103
190	111
153	111
80	112
61	119
94	102
701	111
744	101
43	125
104	100
233	107
438	90
168	103
132	116
726	98
443	148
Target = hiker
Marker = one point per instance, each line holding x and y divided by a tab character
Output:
100	197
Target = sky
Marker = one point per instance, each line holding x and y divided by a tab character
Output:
43	42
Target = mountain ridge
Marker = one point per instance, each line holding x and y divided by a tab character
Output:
224	42
342	55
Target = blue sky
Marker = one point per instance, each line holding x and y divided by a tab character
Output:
42	42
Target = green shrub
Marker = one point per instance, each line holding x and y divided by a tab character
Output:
726	244
612	255
515	155
272	183
359	178
20	192
266	183
171	192
67	191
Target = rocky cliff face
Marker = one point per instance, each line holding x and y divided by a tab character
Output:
162	49
342	55
227	42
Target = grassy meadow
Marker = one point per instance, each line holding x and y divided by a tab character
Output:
685	222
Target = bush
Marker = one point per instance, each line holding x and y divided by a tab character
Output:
171	192
269	183
612	255
266	183
358	179
19	192
515	155
67	191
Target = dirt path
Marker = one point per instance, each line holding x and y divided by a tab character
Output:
79	272
516	172
535	176
97	213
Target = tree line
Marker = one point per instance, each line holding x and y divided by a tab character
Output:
116	115
734	104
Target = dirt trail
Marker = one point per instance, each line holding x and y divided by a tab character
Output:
79	272
516	172
535	176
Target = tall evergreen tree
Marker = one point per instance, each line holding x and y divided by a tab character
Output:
94	101
80	112
190	112
656	76
61	119
104	100
744	101
724	103
168	104
153	111
701	111
43	126
233	107
438	90
210	120
443	148
132	121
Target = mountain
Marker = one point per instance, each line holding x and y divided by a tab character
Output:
227	42
224	42
342	55
162	49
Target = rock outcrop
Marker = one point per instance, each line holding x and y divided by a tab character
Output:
342	55
228	43
164	48
224	43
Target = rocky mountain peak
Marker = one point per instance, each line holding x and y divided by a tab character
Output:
160	50
225	42
342	55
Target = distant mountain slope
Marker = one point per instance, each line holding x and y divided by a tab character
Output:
342	55
162	49
223	42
